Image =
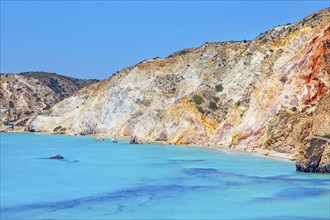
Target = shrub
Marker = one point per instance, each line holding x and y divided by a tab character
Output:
219	88
216	99
200	109
213	106
294	109
326	136
11	104
198	99
283	79
28	112
304	109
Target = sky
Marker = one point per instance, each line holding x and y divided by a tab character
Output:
94	39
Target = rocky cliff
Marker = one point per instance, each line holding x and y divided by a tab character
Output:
28	94
270	93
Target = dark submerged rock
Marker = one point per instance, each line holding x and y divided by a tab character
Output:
58	157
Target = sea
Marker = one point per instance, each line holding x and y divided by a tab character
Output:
105	180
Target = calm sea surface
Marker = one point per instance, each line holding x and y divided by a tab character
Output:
102	180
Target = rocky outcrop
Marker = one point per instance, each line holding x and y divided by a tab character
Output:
57	157
25	95
270	93
315	157
135	140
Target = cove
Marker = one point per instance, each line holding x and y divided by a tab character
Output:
104	180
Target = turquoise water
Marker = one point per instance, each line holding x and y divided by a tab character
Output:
102	180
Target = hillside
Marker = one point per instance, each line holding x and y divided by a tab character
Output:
270	93
28	94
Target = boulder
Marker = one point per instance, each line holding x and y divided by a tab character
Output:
58	157
135	140
56	129
315	156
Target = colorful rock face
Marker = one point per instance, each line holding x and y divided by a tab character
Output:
272	93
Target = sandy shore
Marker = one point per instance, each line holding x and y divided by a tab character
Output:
255	151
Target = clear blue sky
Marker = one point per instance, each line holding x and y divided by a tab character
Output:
93	39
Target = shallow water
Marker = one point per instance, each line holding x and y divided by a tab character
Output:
102	180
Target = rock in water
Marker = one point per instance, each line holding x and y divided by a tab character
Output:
58	157
315	157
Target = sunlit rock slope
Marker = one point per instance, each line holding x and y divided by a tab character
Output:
26	94
272	93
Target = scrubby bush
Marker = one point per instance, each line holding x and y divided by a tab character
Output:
198	99
326	136
213	106
219	88
216	99
200	109
28	112
11	104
